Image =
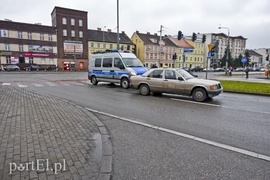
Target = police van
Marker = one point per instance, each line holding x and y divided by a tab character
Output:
114	67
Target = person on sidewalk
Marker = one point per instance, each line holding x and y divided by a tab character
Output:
230	70
247	70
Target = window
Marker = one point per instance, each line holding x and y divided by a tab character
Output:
20	35
107	62
64	32
20	47
50	37
80	34
29	35
8	60
72	22
98	62
72	33
43	61
31	61
64	20
111	46
118	63
170	74
156	74
80	23
92	44
98	45
104	45
41	36
51	61
7	47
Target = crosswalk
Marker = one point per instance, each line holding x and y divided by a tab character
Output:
45	84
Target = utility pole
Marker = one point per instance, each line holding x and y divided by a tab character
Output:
159	60
117	24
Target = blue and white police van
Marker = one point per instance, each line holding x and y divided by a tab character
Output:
114	67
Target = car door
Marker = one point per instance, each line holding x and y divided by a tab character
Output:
171	84
155	80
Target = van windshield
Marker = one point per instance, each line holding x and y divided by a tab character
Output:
132	62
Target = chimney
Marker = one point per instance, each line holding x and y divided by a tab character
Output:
123	32
137	32
148	33
155	34
109	30
99	29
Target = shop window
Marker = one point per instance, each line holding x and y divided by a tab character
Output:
29	35
43	61
64	20
80	23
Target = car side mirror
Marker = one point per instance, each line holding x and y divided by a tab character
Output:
180	78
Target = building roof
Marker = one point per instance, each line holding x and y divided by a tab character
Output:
182	43
232	37
18	26
253	53
109	37
153	39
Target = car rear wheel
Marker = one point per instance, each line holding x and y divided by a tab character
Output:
125	83
94	80
199	94
144	90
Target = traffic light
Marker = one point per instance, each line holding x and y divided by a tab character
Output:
203	38
267	58
180	35
194	37
213	50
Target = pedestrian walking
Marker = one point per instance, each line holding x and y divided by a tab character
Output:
247	70
230	70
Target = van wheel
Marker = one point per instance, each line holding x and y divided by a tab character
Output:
125	83
94	80
199	94
144	90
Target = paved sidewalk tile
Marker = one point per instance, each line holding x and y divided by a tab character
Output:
42	137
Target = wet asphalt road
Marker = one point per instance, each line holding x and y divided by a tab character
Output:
237	120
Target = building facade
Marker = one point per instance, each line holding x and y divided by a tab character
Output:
150	50
24	44
263	52
99	40
72	43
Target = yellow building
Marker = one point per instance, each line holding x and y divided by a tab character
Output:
197	57
99	40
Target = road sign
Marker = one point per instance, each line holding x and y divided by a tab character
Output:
210	46
243	60
188	50
209	54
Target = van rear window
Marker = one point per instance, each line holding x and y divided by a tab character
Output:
98	62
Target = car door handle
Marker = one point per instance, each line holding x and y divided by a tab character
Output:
148	79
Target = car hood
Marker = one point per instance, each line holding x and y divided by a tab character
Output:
139	70
203	81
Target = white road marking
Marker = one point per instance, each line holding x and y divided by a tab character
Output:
65	83
205	141
37	85
21	85
194	102
6	84
51	84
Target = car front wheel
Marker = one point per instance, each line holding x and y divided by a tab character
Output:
125	83
94	80
144	90
199	94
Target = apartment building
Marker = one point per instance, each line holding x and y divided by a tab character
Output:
99	40
151	50
263	52
27	43
72	43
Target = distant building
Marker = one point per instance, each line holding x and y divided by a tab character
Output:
255	59
264	52
99	40
72	43
27	44
150	50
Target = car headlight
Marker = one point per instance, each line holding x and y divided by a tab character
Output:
214	87
133	73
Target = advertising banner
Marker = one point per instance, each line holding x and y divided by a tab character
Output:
38	48
70	46
3	33
14	60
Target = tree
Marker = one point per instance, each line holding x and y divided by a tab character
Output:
224	59
248	58
238	61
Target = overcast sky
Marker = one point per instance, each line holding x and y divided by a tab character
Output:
247	18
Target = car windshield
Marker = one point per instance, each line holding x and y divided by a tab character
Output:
185	74
132	62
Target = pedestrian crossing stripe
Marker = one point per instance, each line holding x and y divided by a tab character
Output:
37	85
6	84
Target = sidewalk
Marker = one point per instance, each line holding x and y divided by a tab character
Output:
46	138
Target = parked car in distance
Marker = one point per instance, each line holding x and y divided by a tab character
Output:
175	81
11	68
219	70
239	69
208	70
32	68
196	69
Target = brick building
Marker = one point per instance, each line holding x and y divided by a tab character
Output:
27	44
71	32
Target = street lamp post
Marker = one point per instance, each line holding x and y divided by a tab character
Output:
103	39
228	46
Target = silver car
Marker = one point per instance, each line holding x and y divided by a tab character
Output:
175	81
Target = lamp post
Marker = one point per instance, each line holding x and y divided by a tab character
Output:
228	46
103	39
